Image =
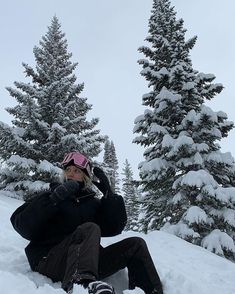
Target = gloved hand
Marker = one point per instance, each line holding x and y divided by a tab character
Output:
103	184
69	189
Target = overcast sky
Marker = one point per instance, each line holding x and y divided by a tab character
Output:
104	36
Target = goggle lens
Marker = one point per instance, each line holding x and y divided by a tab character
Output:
78	159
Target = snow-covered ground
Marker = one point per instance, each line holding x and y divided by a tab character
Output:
183	267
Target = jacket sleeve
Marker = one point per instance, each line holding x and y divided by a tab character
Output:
30	219
112	215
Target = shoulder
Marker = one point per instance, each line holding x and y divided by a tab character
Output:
114	198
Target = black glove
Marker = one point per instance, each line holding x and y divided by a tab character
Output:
69	189
103	184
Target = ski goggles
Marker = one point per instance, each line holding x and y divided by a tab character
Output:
78	159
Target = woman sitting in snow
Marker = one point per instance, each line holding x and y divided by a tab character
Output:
65	224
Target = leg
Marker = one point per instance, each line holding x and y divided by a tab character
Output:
133	254
75	258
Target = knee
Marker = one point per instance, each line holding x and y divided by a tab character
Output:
86	229
138	242
90	227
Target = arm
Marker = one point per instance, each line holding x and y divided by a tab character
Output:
30	218
112	215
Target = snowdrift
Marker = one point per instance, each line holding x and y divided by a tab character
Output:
183	268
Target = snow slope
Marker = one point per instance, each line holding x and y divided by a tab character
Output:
183	267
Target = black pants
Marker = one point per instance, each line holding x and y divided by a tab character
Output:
81	256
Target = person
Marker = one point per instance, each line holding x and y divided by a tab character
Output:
65	224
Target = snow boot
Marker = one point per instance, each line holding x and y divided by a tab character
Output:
99	287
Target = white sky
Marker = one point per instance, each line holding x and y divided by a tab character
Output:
104	37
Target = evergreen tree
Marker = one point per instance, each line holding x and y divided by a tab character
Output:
107	158
50	119
115	176
188	182
130	195
111	165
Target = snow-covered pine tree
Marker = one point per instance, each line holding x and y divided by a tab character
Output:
115	176
107	158
188	182
111	165
130	195
50	119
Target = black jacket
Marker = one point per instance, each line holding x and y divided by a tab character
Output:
46	224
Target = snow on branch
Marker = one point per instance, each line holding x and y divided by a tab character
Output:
139	119
180	229
196	215
207	77
167	95
25	163
219	157
45	166
188	86
154	165
197	179
225	195
154	128
229	216
176	144
216	241
206	110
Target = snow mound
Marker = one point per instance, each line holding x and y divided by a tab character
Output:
183	268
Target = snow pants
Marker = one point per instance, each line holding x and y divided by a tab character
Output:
80	258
